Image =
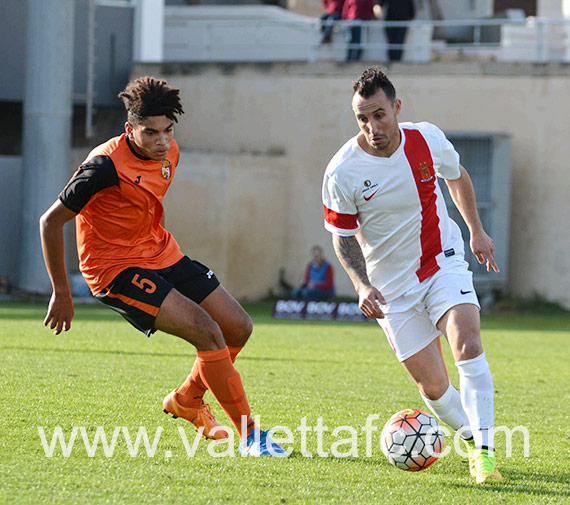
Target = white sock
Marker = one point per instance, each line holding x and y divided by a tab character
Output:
448	409
477	395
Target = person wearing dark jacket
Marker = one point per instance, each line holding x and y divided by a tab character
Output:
400	10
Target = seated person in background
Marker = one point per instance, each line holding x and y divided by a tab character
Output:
318	281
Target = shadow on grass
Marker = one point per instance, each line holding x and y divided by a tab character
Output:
159	354
373	460
531	483
95	311
528	482
524	322
38	314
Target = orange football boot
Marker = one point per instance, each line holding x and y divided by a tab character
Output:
199	417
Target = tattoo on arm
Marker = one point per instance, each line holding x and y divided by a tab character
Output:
350	255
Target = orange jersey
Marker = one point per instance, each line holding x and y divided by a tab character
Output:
118	197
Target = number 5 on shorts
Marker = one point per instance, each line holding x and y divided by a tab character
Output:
144	284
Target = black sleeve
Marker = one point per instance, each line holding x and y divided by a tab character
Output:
93	176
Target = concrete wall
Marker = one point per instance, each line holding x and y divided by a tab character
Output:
230	212
113	50
256	138
11	189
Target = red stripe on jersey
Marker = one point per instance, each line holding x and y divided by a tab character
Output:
342	221
421	163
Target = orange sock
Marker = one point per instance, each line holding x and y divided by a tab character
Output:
234	351
192	391
224	381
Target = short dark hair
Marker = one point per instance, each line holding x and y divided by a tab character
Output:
148	96
371	80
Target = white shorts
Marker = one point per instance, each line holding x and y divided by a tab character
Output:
410	320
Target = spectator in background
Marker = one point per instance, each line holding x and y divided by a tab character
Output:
396	10
333	12
318	281
356	10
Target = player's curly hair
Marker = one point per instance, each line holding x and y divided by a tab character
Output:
371	80
148	96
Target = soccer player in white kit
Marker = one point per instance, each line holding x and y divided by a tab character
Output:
405	257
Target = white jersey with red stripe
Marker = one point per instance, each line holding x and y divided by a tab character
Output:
395	207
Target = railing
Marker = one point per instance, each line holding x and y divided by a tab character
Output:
198	39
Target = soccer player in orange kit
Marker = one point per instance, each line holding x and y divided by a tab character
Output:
134	265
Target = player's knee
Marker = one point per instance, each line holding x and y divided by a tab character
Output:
240	330
434	390
245	328
469	348
209	336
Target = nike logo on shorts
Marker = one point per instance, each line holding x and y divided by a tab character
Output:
465	292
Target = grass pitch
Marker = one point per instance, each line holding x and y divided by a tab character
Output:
105	377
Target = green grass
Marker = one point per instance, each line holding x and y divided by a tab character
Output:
105	374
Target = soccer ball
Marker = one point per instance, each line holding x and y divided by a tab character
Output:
412	440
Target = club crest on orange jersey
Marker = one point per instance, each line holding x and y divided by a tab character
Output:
426	172
165	171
